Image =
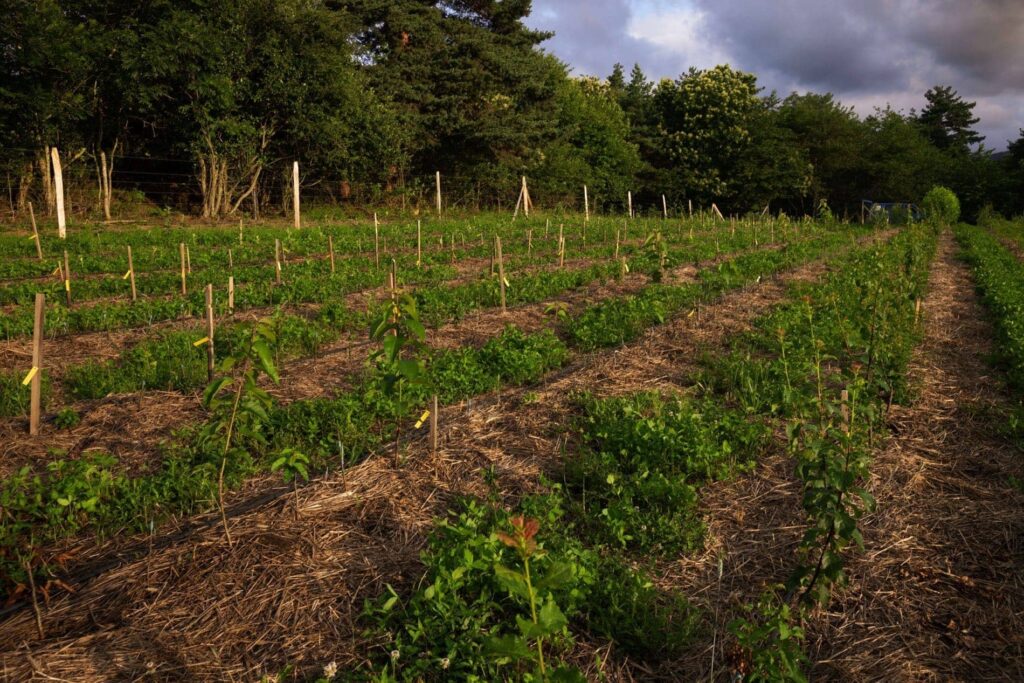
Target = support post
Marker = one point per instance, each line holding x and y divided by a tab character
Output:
209	333
58	181
437	183
419	243
629	202
231	294
277	261
181	252
586	204
131	273
376	241
67	278
295	194
501	270
433	425
35	396
330	251
35	231
664	208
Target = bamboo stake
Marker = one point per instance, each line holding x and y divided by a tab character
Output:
188	259
561	252
295	194
58	179
231	294
586	204
67	278
419	243
501	271
181	251
209	332
277	261
131	272
37	366
433	425
35	232
376	241
330	250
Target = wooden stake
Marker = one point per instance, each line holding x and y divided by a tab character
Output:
239	231
844	409
188	259
295	194
393	276
37	365
433	425
377	243
917	311
181	251
330	251
209	332
529	243
35	232
452	245
277	261
689	206
616	245
419	243
58	180
67	278
437	182
231	294
629	202
231	261
586	204
526	199
501	271
561	252
131	272
664	208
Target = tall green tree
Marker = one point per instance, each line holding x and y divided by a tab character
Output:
948	120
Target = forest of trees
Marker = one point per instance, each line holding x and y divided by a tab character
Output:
215	98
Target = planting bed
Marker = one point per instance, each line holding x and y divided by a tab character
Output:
679	450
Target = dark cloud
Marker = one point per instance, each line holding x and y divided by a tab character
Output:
871	52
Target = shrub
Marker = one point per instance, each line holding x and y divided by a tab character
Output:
941	205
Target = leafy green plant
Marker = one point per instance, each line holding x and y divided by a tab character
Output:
941	206
238	406
67	418
768	642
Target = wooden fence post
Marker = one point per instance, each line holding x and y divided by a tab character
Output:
67	278
209	332
295	194
181	251
437	182
36	371
35	231
501	270
58	181
330	250
131	272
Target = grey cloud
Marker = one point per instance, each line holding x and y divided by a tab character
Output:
865	51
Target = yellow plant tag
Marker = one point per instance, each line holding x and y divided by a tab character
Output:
29	376
32	237
125	276
423	418
200	342
506	283
692	311
67	285
55	270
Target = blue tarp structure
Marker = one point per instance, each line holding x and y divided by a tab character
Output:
869	209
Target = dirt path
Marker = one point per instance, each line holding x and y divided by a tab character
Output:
939	594
291	589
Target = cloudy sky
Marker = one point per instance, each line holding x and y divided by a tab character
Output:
868	52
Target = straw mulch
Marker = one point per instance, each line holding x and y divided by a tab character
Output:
290	588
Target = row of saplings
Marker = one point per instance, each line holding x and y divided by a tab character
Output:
504	592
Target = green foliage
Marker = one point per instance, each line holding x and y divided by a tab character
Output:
15	396
941	205
769	642
643	456
67	418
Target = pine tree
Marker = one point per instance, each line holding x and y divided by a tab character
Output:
947	120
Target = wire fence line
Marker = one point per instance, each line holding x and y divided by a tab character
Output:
140	183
